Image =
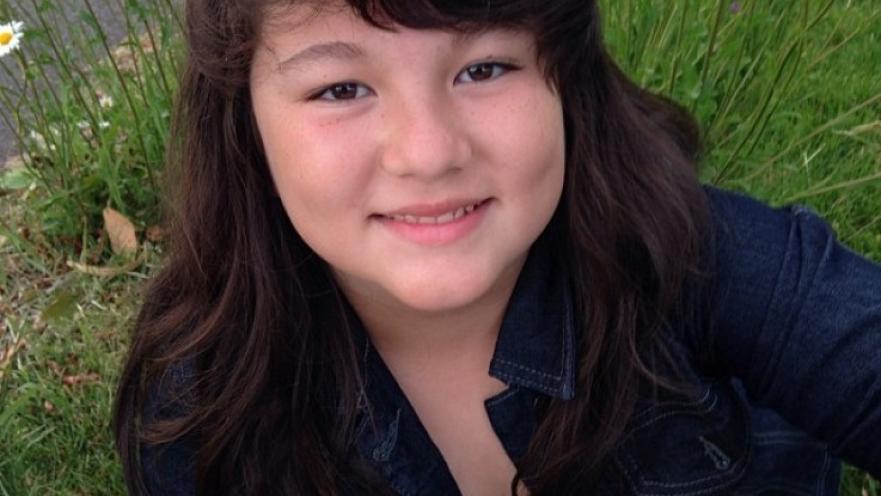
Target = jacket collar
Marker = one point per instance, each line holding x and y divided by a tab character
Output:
535	348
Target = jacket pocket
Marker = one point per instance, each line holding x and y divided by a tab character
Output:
687	447
786	461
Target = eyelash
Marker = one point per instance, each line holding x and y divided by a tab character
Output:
326	94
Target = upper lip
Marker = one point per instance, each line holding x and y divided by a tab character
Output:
433	209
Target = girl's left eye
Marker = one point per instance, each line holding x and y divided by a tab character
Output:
484	71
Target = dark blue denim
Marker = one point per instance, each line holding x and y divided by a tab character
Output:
785	357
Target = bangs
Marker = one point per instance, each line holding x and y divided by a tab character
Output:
564	29
464	16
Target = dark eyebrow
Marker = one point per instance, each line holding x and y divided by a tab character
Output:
332	50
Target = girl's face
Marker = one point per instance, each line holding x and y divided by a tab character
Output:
420	164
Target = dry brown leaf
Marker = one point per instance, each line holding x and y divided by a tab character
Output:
48	406
95	270
73	380
121	232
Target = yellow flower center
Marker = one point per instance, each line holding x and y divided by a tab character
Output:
5	38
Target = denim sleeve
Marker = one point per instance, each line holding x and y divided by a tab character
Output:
797	317
168	469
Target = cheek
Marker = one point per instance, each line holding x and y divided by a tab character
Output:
533	151
318	170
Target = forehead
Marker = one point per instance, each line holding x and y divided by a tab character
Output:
313	32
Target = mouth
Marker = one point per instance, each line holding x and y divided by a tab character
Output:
448	214
437	224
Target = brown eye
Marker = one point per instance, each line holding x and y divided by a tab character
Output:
342	91
484	71
481	72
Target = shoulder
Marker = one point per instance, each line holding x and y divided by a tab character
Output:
732	212
752	242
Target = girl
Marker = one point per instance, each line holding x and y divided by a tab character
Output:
430	247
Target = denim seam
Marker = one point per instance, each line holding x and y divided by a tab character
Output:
676	412
790	490
691	493
568	362
765	439
786	442
527	382
777	301
529	369
654	408
794	304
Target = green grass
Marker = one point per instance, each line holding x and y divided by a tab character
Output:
789	96
55	400
788	93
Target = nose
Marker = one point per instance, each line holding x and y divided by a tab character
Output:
424	139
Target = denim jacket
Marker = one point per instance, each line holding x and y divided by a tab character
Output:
786	358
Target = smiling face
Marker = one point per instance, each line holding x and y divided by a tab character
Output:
420	164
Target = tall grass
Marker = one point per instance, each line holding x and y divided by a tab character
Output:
91	115
788	94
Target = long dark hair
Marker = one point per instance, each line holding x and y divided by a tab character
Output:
270	383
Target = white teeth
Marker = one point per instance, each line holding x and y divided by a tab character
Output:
447	217
441	219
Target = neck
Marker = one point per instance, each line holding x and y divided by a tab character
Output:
413	339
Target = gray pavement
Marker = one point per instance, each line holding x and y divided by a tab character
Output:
109	17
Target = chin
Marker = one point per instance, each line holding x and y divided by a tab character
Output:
441	296
431	303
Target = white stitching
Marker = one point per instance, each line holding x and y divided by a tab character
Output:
675	412
526	382
528	369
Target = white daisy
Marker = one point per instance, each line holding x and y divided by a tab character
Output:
10	36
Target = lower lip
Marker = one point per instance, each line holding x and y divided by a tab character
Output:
437	234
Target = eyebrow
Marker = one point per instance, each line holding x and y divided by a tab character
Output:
329	50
